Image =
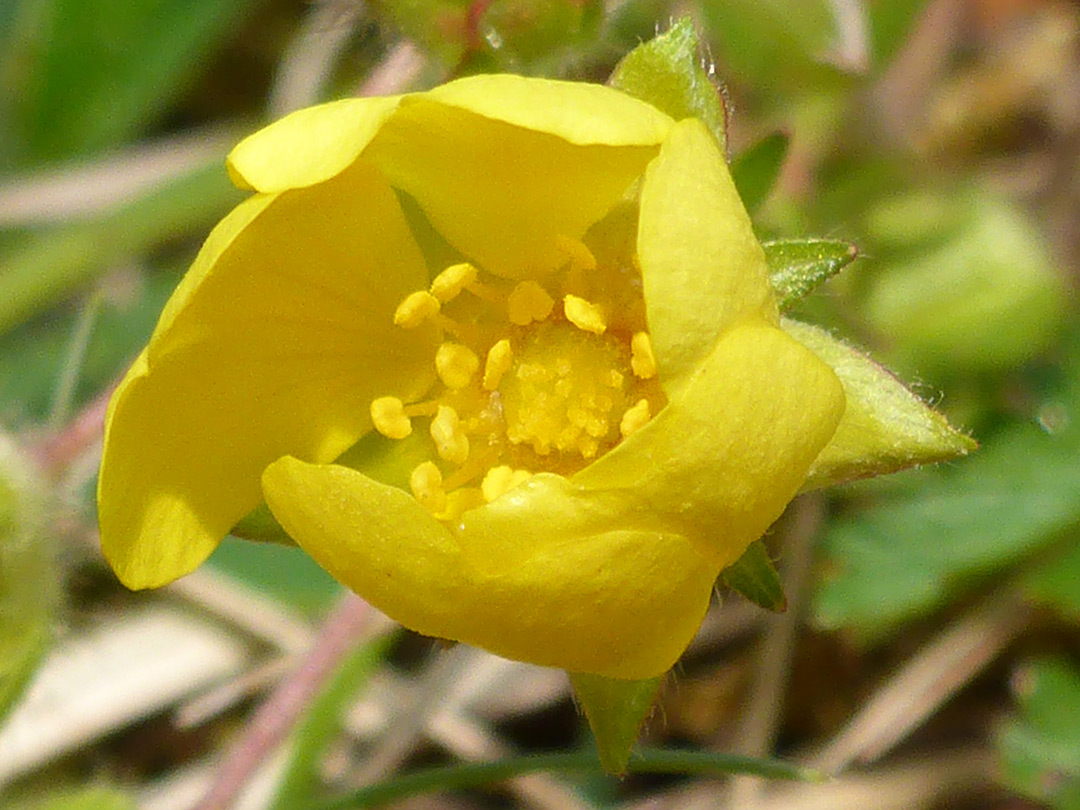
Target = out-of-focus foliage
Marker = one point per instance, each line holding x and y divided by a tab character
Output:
85	75
1041	747
953	174
28	574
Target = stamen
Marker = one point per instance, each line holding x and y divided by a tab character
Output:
415	309
579	255
473	468
451	281
528	302
428	408
463	332
389	417
584	315
426	483
642	359
635	418
450	440
456	364
499	358
500	480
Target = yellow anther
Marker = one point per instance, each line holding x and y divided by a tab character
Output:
451	281
528	302
499	358
426	483
388	416
415	309
584	315
500	480
450	440
456	364
642	359
635	418
581	258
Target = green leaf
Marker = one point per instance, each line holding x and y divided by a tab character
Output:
797	266
460	777
1040	748
889	26
754	576
666	71
32	356
283	572
48	266
756	169
93	73
907	556
774	43
1054	582
988	298
885	427
615	710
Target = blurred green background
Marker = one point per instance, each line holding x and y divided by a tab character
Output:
942	137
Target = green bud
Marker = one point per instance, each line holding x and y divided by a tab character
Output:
757	168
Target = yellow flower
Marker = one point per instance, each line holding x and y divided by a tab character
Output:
538	314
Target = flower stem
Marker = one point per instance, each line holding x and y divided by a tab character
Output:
457	777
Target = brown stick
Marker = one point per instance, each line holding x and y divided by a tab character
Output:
351	622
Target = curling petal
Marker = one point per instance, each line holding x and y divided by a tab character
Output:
275	342
582	114
701	265
621	603
468	172
727	454
309	145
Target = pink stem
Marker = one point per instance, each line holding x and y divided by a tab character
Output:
349	622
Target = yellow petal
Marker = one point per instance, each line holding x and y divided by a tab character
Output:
276	342
502	194
723	459
620	603
309	145
574	111
374	538
702	267
584	581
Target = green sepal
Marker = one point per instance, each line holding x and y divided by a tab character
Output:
615	710
756	169
754	576
667	72
797	266
885	427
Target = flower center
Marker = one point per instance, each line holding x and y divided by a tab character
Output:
529	383
565	389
